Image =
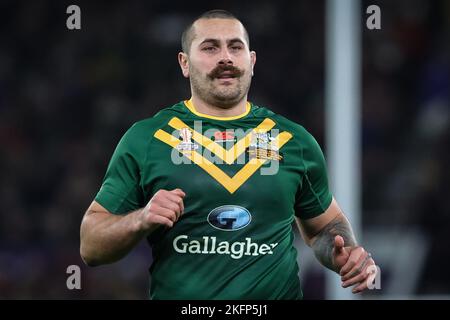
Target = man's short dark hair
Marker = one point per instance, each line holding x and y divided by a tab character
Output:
188	33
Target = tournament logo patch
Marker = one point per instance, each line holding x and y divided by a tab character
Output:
229	218
186	145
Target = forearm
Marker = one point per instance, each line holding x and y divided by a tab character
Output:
323	242
106	238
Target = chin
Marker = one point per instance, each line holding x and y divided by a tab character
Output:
226	95
226	102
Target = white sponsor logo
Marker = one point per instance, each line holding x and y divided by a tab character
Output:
209	245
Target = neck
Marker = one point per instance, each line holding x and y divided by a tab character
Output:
212	110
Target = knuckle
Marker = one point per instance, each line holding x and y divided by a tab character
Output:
162	192
157	197
152	208
175	209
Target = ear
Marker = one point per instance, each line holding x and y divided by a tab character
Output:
253	59
183	60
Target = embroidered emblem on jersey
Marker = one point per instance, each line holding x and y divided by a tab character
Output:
224	136
229	156
186	145
263	146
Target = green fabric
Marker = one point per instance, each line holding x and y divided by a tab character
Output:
194	259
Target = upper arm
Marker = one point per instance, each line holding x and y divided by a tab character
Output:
309	228
120	191
313	196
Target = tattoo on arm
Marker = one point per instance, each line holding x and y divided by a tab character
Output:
324	240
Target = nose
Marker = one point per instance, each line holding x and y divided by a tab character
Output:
225	58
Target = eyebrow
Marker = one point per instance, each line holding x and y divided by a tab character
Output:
217	42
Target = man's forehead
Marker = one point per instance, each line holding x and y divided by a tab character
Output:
220	29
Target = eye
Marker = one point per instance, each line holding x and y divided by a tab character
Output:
209	49
236	48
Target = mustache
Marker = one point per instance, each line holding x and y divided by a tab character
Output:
220	69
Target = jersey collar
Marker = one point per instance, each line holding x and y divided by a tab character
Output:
189	104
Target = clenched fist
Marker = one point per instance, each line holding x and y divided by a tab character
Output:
352	263
164	208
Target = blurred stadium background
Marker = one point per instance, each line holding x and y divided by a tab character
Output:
66	97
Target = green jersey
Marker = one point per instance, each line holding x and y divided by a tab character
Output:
245	179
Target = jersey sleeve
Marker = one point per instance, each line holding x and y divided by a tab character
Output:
120	191
314	196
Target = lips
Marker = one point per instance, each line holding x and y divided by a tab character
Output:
227	75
